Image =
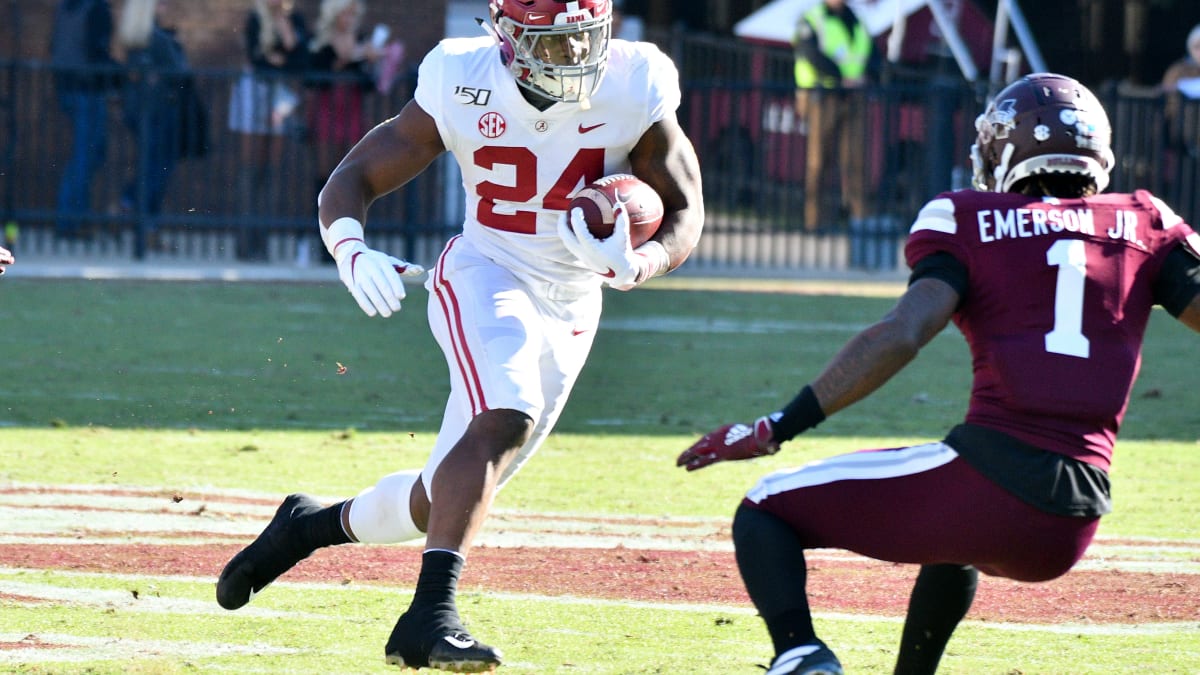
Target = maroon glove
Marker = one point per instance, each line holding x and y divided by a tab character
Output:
732	441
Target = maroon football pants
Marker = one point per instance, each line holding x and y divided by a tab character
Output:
925	505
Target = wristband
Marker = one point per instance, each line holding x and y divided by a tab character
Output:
802	414
340	231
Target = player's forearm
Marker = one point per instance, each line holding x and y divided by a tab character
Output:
876	354
679	234
666	159
869	360
341	198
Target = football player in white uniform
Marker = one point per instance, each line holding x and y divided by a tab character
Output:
546	104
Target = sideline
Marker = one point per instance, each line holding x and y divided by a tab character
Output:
77	267
888	283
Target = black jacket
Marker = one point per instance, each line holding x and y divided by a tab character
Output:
79	46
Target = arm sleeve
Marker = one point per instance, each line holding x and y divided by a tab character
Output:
941	265
429	75
665	94
1178	281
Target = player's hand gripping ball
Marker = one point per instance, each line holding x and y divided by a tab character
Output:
598	201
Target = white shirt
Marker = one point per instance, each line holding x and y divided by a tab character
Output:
520	165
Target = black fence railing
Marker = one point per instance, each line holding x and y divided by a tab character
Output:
253	197
250	187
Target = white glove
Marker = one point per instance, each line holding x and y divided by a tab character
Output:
372	277
613	258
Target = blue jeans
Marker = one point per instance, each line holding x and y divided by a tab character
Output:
157	133
88	111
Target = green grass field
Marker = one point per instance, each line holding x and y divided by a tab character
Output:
185	386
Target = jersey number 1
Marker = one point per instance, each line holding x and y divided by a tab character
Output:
1067	337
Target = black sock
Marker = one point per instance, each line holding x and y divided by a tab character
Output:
437	583
791	629
940	599
322	527
771	562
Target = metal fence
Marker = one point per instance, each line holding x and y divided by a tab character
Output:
737	109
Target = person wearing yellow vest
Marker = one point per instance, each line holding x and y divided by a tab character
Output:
834	57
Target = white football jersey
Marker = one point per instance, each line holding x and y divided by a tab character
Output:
520	165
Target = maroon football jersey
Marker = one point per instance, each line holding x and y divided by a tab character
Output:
1059	293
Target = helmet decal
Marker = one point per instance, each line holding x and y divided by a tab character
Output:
1042	123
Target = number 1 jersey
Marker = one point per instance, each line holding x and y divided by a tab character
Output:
1059	292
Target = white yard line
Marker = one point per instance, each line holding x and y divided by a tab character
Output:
62	515
49	592
60	648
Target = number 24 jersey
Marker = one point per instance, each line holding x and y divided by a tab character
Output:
519	165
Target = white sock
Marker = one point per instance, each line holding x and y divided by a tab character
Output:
380	515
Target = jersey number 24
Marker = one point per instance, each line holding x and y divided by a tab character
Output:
586	166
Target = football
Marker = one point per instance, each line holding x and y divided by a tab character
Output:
598	199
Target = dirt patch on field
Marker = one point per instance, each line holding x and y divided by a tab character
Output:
849	585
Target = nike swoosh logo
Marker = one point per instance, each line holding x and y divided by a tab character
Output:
611	273
576	331
584	130
460	644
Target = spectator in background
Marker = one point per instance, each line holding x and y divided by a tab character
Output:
6	259
1181	83
157	69
834	56
84	72
339	77
261	105
1182	79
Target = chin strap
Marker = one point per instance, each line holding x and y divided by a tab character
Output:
488	28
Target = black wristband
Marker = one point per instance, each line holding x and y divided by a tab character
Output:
802	414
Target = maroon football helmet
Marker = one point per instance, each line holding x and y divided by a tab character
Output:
1042	123
554	48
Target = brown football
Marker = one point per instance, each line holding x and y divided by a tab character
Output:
598	201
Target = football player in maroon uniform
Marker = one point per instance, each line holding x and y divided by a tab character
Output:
1051	283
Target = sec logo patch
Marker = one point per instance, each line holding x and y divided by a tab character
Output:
492	125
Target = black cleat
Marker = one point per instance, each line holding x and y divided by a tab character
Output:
445	646
813	659
271	554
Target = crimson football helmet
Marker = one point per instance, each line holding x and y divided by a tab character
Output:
554	48
1042	123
